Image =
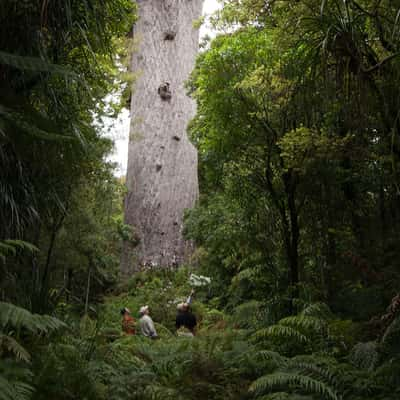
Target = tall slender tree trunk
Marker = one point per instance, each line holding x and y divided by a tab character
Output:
89	275
162	163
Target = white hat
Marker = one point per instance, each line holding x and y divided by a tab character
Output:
143	309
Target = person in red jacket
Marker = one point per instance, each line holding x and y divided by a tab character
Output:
128	322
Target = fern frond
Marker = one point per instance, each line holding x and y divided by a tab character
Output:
9	247
281	379
318	310
159	392
162	330
21	244
14	390
12	346
308	365
284	396
280	332
304	322
249	313
244	274
16	317
273	356
14	381
241	353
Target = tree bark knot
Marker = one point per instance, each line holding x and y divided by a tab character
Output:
169	35
164	91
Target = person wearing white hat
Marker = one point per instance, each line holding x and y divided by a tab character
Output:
146	323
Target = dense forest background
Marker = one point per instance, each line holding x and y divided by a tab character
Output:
298	133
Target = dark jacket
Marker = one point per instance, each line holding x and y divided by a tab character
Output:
186	319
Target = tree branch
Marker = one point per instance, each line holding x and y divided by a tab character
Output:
380	64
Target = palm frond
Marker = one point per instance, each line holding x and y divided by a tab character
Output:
20	120
11	246
35	64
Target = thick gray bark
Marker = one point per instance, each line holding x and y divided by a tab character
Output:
162	163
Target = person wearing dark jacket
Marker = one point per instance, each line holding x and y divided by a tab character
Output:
185	322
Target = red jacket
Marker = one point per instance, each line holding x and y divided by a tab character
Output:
128	324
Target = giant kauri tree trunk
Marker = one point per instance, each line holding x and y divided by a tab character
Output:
162	163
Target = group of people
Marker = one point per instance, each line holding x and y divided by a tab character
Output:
185	321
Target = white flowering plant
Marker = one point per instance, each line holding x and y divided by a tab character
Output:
199	280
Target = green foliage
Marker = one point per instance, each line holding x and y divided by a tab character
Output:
14	381
365	355
294	127
13	317
17	325
10	346
307	331
281	332
31	64
306	383
64	370
59	63
10	247
250	315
